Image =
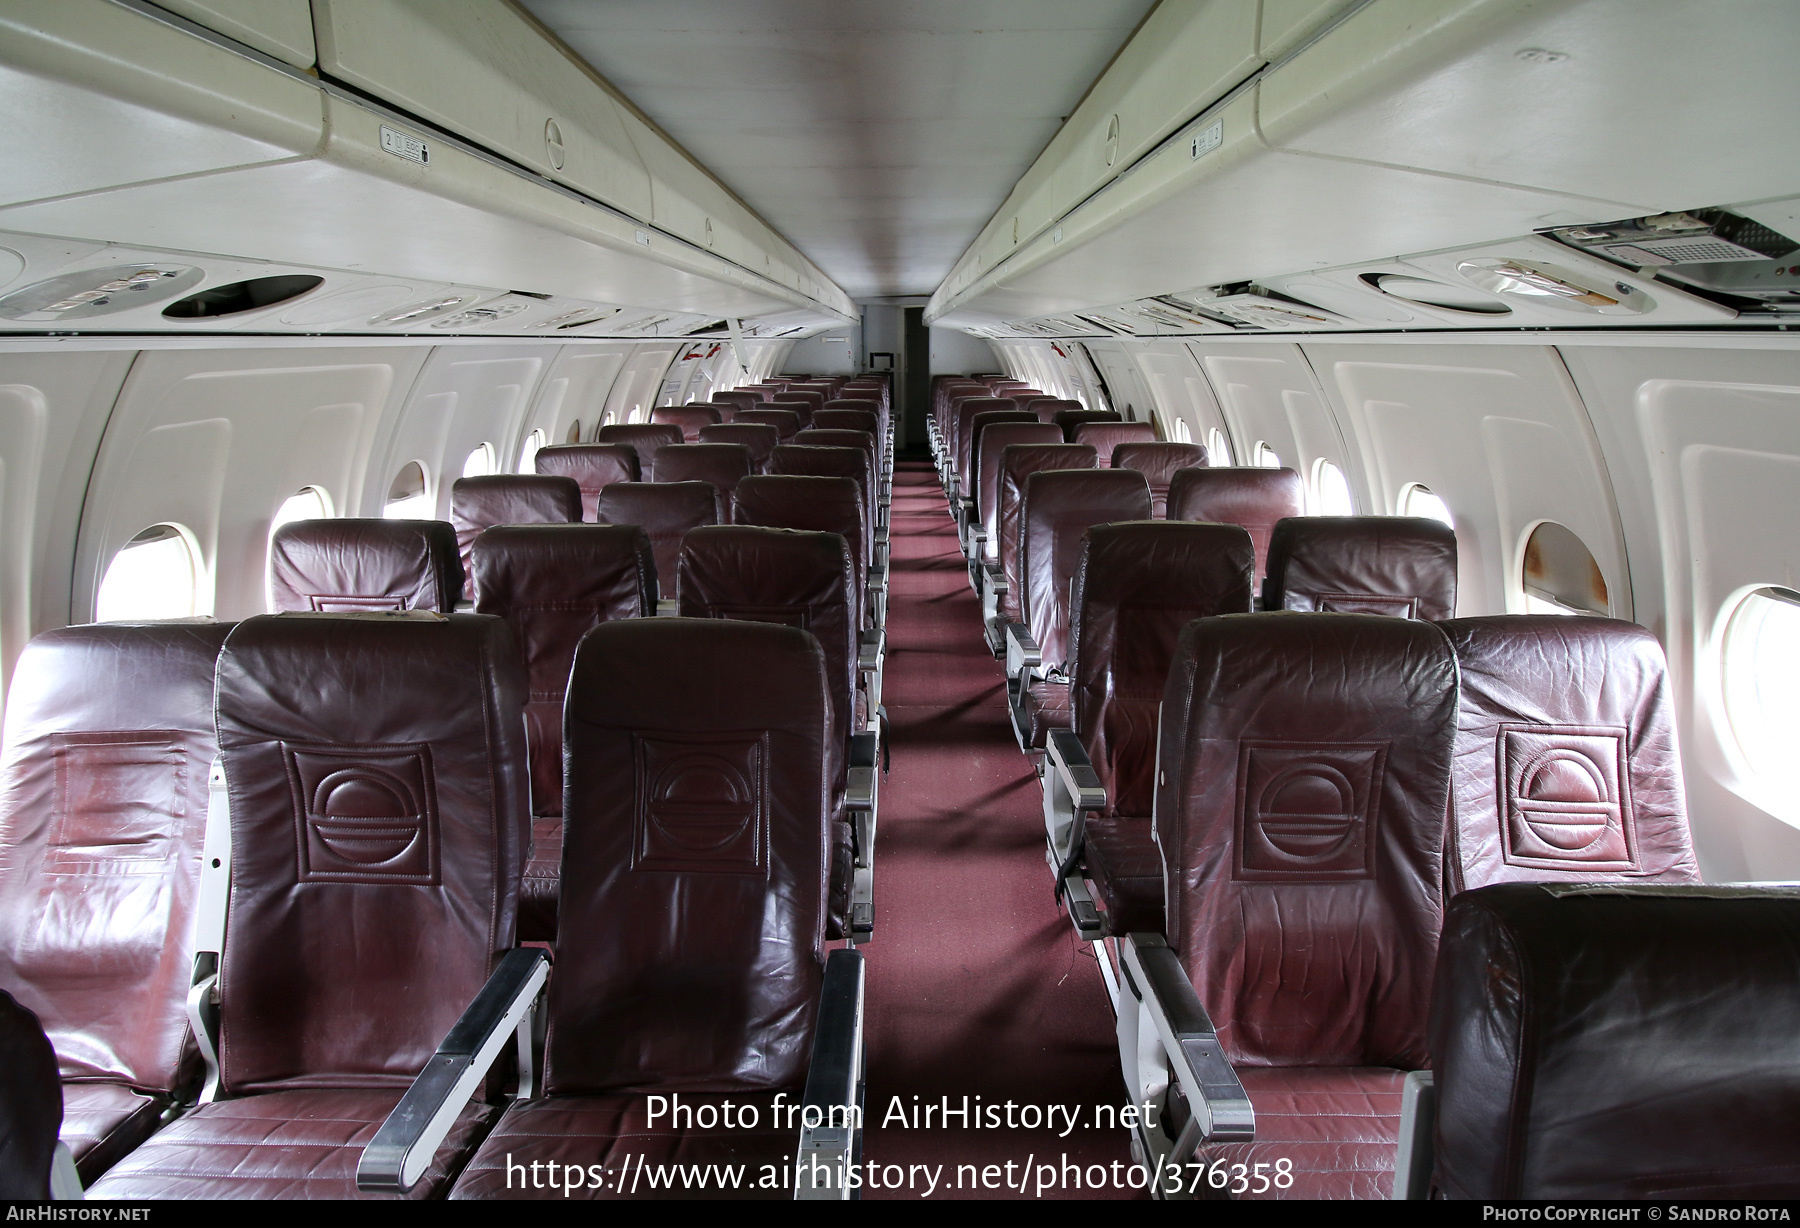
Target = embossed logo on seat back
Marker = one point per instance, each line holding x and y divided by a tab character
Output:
1563	798
701	805
365	815
1306	812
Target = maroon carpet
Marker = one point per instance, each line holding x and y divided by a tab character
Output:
977	986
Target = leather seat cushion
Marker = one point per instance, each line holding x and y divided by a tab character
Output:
288	1144
1126	869
103	1121
1047	707
538	886
614	1132
1339	1126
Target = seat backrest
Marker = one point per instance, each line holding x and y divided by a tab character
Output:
1105	436
842	439
352	563
1398	565
1159	462
946	395
1139	583
686	418
1018	461
968	459
1561	1013
722	464
747	396
665	511
812	460
990	446
785	421
802	403
594	466
1566	762
698	841
377	771
1057	510
789	576
478	504
553	583
103	788
31	1104
847	419
644	438
816	504
759	437
1047	407
1302	781
962	421
1070	419
1256	499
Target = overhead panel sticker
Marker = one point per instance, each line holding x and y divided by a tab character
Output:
401	145
1208	139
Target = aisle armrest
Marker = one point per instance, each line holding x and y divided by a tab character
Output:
832	1108
1418	1132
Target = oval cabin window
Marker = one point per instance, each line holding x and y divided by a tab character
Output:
1331	491
1559	574
528	453
1264	457
481	462
1417	500
1218	448
157	575
1760	676
1181	433
309	503
409	498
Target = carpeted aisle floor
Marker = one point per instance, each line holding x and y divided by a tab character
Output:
976	984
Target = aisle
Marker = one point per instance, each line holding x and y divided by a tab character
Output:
977	986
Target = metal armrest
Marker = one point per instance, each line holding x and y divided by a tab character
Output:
1417	1156
668	607
1173	1035
404	1146
1022	652
833	1106
871	650
1071	789
65	1181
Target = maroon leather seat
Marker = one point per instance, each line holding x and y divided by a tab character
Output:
698	761
379	815
1105	436
665	511
968	462
103	795
759	437
1404	566
1159	462
352	564
1256	499
1566	763
946	394
1047	407
1300	812
553	583
30	1104
722	464
802	403
594	466
962	419
843	439
990	447
868	401
798	579
738	398
1559	1015
1018	462
812	460
847	419
1071	419
687	418
1055	513
1138	585
646	439
785	421
478	504
815	504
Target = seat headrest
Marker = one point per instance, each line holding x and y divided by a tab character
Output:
665	511
722	464
351	564
1058	508
1105	436
1138	584
794	501
1071	419
1561	1011
742	398
594	466
477	504
699	770
1300	811
836	438
379	808
759	437
644	438
1159	460
688	419
1257	499
785	421
1047	407
1566	759
847	419
1403	566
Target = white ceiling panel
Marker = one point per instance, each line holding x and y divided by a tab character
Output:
878	136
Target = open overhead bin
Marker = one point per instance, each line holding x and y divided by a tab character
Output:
440	143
